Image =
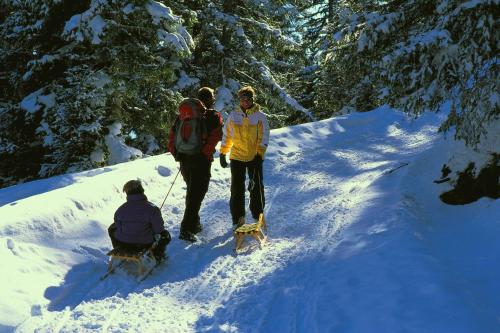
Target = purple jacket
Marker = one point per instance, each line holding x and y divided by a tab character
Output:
137	220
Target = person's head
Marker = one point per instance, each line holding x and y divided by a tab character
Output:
246	96
206	96
133	187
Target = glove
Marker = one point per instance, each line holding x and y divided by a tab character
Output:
257	159
157	238
223	162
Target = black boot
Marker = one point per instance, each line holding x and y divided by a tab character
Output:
188	236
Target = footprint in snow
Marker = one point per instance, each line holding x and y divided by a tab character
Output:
11	246
163	171
78	205
281	144
307	130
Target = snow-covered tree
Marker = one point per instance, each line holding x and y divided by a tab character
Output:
420	54
245	43
319	17
77	71
88	79
333	71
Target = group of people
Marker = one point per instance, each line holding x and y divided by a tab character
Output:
138	223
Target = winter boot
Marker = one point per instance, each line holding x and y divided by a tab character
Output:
239	223
198	228
188	236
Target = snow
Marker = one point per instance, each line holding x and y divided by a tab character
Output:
232	20
129	8
442	7
186	36
91	25
474	3
30	102
224	100
184	81
338	36
97	25
72	24
175	40
97	156
85	25
100	79
459	155
266	75
359	242
118	150
48	137
364	42
159	11
27	75
48	100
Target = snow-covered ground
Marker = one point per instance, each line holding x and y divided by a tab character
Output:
359	242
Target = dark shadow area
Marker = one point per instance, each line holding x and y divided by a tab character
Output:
6	329
470	188
82	282
77	283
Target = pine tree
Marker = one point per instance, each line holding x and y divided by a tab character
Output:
77	68
419	54
245	43
319	17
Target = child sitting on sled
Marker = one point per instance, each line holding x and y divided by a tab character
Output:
138	223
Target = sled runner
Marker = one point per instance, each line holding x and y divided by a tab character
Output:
131	255
253	230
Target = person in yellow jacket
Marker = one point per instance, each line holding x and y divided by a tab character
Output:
245	136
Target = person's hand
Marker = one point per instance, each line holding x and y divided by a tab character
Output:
223	162
257	159
157	238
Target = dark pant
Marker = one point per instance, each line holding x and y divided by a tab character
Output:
196	173
159	250
255	187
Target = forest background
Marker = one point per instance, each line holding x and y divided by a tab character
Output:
84	84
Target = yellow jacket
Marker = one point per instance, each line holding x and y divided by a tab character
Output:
245	134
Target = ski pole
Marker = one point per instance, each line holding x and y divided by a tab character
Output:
170	189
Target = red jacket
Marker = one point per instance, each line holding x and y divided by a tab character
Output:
214	129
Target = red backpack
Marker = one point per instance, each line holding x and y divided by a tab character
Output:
191	128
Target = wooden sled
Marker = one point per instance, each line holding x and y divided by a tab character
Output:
130	255
253	230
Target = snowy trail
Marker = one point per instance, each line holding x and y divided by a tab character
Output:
333	179
346	238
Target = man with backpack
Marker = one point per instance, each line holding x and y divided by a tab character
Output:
246	136
192	142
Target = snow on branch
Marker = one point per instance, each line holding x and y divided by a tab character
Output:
267	77
270	31
159	12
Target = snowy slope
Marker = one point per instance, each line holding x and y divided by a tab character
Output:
359	243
